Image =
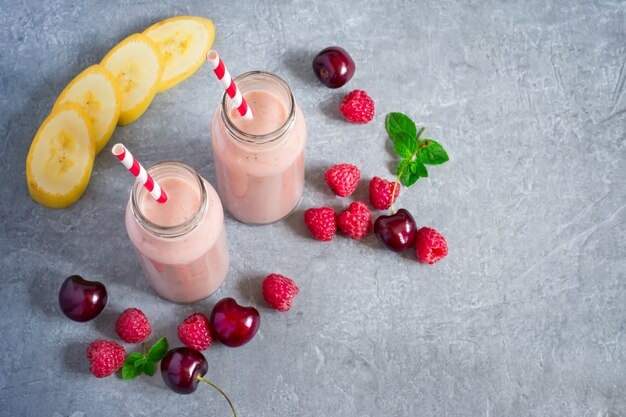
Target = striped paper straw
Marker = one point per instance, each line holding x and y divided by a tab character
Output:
229	84
139	171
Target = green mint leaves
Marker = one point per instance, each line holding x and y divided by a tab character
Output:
138	363
404	145
432	153
158	350
415	152
400	123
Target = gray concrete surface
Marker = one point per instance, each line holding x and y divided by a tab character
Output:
525	317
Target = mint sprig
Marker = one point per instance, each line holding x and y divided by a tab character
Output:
415	152
137	363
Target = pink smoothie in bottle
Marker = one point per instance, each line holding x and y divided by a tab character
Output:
259	163
181	244
269	115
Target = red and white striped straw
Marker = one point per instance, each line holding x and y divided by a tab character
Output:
139	171
229	84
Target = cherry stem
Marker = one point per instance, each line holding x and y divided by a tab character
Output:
199	378
395	185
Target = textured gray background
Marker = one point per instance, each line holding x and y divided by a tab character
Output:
525	317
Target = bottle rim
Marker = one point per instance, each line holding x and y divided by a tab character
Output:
158	171
242	81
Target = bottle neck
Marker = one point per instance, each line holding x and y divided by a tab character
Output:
161	171
262	81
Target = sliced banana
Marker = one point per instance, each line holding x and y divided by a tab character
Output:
137	65
99	94
60	159
184	42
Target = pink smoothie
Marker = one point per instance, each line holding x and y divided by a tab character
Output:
189	267
183	202
269	113
260	183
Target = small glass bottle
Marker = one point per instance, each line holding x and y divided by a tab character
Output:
181	244
259	164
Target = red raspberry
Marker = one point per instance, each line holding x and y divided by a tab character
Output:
194	332
357	107
430	245
322	222
279	291
343	179
105	357
356	222
132	326
380	193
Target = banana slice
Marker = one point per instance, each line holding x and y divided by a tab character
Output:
99	94
184	42
137	64
59	162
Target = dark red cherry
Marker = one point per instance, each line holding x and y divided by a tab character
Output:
333	66
396	231
181	368
80	299
232	324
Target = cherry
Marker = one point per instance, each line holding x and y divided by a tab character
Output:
232	324
182	368
80	299
396	231
333	66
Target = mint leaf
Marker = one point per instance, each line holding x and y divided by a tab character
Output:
402	166
418	168
403	171
432	153
130	371
148	368
397	123
158	350
409	178
132	358
404	145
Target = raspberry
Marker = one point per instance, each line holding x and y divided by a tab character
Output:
132	326
194	332
430	245
357	107
343	179
322	222
105	357
380	193
356	222
279	291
